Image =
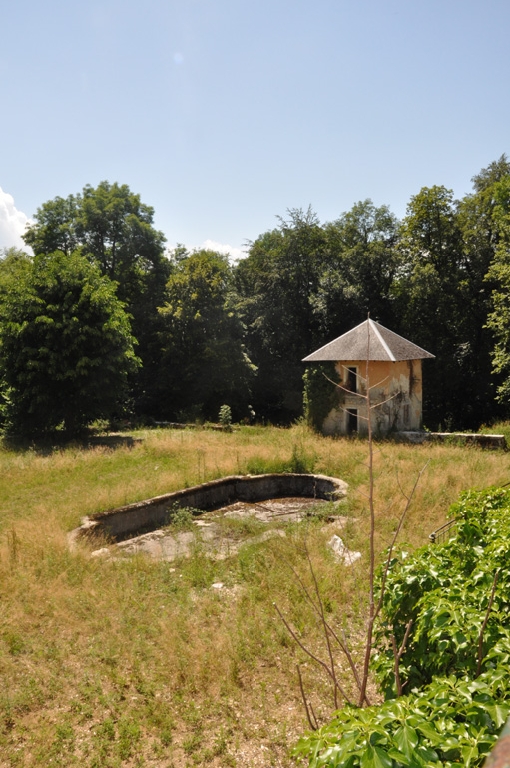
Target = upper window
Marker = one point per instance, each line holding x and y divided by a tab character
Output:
352	379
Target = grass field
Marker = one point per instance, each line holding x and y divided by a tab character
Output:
140	663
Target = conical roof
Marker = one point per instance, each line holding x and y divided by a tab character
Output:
371	341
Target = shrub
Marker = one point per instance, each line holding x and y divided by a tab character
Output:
181	518
457	596
225	417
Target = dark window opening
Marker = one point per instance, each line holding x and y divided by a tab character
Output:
352	379
352	420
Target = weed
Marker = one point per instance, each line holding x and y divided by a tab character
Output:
239	528
129	736
299	462
181	518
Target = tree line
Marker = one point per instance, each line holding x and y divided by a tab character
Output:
101	322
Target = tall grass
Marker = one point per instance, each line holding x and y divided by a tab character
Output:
135	662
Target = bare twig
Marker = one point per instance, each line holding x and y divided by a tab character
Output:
360	676
309	710
397	655
312	655
343	645
484	624
324	626
371	606
395	535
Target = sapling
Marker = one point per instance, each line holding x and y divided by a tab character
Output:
225	417
360	673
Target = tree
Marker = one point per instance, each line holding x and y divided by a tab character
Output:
275	283
431	303
498	320
204	362
115	231
481	233
358	275
65	343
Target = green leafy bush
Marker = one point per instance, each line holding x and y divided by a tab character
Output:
452	722
455	666
225	417
320	393
445	591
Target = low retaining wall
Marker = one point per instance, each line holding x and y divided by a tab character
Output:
463	438
153	513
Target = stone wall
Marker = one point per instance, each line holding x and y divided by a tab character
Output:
462	438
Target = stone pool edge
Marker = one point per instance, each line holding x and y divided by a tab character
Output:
151	514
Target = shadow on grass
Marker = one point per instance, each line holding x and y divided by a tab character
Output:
52	443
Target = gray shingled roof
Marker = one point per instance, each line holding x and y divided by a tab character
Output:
368	340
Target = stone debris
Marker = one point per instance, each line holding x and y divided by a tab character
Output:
342	553
103	552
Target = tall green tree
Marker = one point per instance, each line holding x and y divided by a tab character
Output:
275	283
66	348
358	274
498	320
114	230
431	309
204	363
480	237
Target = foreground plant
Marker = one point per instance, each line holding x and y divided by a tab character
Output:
337	643
455	665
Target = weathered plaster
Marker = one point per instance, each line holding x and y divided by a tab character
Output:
396	386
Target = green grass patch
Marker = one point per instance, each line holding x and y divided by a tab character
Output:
112	662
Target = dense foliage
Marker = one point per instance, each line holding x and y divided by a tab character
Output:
319	394
203	359
114	230
65	343
212	333
439	278
455	666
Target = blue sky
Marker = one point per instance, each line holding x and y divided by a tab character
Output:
222	114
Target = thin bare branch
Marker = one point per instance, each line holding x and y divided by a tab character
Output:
313	724
374	386
486	619
324	625
311	655
344	389
343	645
397	655
381	402
395	535
371	608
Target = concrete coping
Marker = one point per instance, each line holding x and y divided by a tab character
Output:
142	516
463	438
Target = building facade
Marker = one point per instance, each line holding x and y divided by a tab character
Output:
371	355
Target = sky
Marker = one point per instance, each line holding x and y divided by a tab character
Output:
224	114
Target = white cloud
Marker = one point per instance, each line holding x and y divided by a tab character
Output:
12	222
234	253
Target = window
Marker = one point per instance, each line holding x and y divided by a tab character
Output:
352	420
352	379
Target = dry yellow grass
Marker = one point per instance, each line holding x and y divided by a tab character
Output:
137	663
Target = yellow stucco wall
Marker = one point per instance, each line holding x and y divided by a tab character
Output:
396	387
